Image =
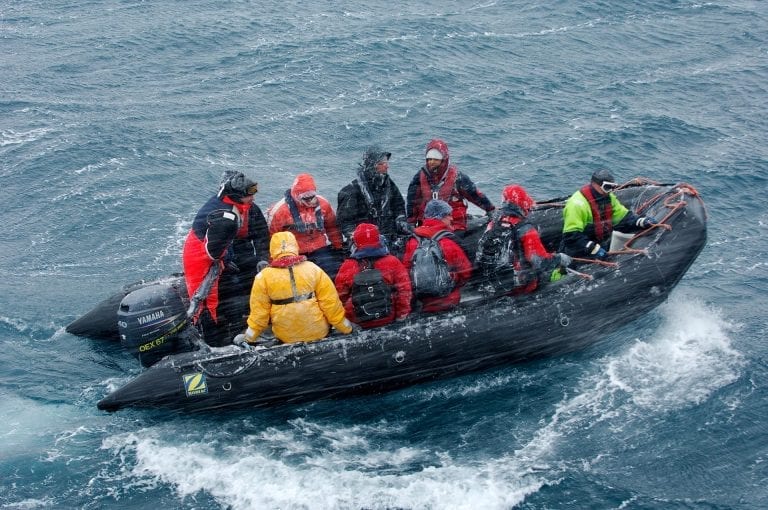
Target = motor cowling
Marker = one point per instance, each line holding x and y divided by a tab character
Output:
152	322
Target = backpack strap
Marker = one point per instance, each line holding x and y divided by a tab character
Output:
296	296
442	234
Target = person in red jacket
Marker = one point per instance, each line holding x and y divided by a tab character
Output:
510	254
438	179
230	231
438	219
312	220
379	298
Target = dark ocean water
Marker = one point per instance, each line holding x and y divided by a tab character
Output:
118	117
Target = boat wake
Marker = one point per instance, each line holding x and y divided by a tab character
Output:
679	365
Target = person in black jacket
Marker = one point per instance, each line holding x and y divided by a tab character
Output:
373	198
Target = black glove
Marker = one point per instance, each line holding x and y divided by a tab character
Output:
646	221
403	226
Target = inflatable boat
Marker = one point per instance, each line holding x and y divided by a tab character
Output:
486	330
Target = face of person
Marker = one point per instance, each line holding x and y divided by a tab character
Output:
432	164
308	199
447	220
604	188
382	166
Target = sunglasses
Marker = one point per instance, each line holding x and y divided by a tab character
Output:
608	186
252	189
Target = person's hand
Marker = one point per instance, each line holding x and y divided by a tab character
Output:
353	328
597	251
240	341
646	221
564	260
403	226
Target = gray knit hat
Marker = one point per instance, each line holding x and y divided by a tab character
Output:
437	209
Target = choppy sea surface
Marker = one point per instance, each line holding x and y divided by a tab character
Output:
118	117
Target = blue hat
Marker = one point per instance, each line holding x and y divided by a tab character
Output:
437	209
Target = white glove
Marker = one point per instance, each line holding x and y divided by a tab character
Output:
240	341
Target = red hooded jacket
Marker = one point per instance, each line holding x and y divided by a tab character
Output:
314	226
458	264
449	185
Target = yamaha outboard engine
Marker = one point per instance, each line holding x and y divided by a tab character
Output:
153	323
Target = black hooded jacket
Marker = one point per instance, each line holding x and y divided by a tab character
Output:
371	198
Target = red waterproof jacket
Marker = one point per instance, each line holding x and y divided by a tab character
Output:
458	264
313	226
216	225
446	183
534	254
394	274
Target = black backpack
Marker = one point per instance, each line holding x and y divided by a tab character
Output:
498	251
371	296
430	274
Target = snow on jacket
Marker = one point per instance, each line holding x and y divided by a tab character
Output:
218	223
300	309
313	225
370	198
446	183
458	264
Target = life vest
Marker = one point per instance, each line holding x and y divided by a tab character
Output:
445	190
299	225
602	213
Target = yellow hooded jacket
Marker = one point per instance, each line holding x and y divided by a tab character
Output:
300	311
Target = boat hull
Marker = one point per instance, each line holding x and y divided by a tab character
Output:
561	317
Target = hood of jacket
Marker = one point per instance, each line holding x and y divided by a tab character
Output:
302	184
371	156
283	244
443	148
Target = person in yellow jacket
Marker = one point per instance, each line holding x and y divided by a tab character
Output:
295	295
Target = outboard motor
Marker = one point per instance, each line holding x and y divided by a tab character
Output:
153	323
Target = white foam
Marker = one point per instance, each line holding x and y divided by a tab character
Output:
318	466
681	364
689	357
11	137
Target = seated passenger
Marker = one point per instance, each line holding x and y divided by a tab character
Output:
295	295
373	285
312	220
510	255
591	215
437	264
